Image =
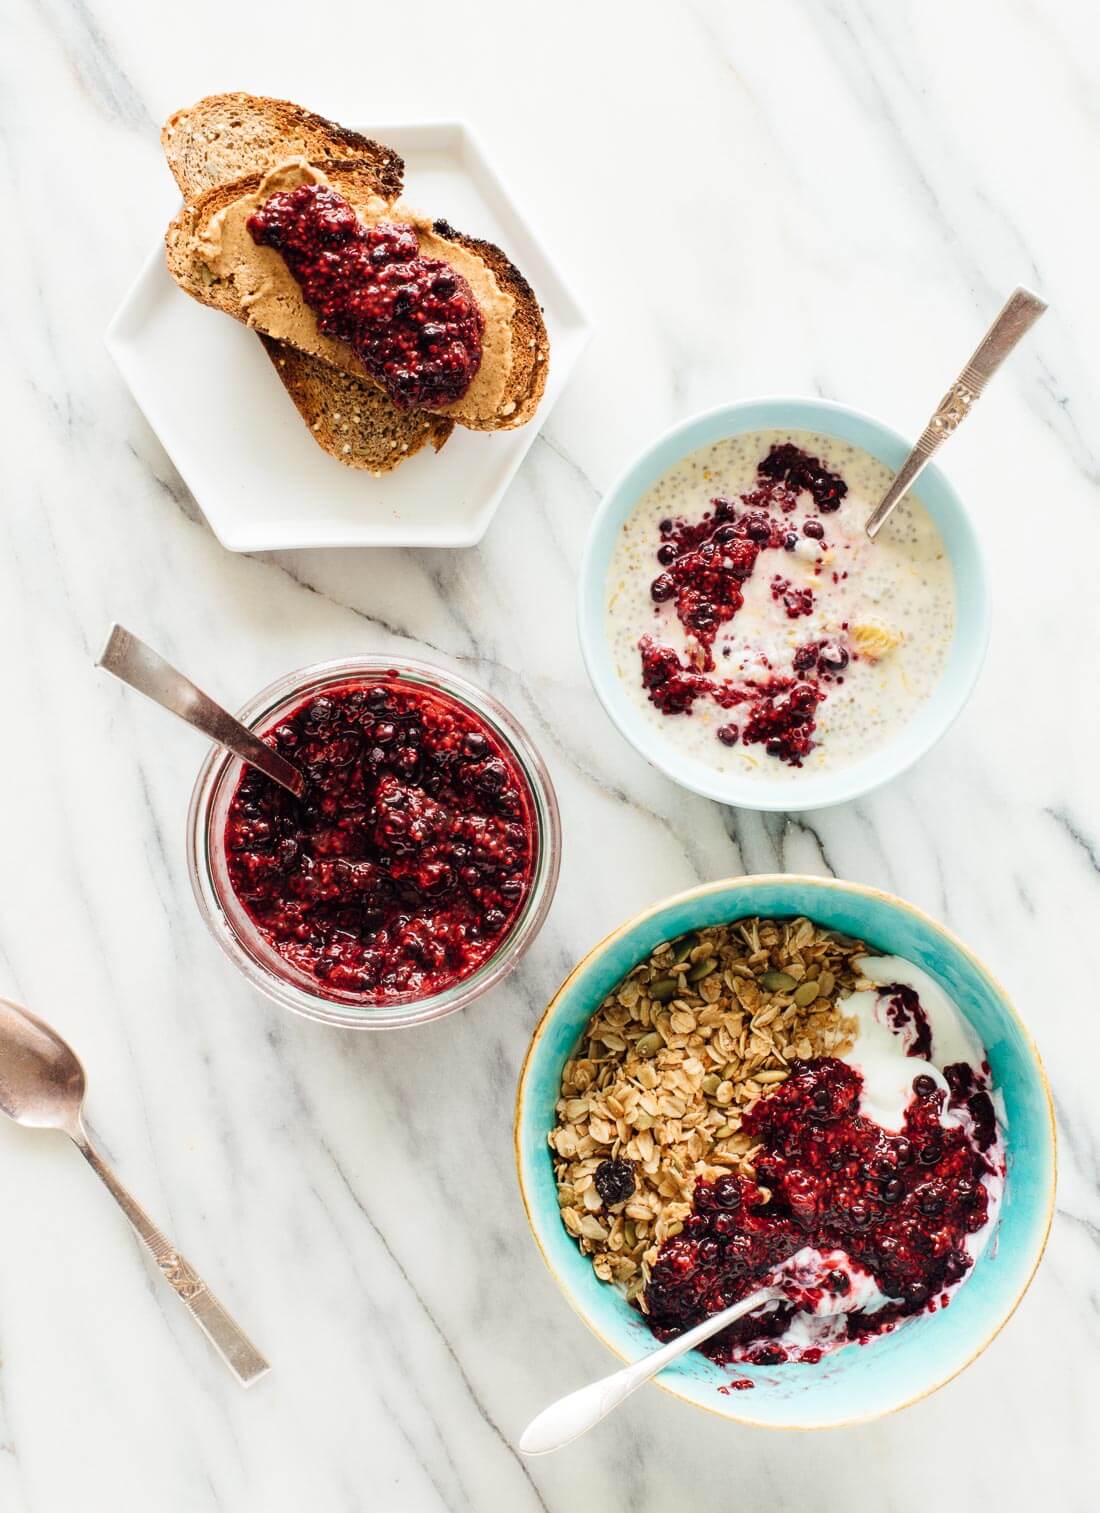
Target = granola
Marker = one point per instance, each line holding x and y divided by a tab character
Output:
691	1038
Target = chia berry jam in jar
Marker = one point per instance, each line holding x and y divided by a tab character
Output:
412	872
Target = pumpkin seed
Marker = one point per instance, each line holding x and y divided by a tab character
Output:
648	1044
663	988
702	969
684	948
805	994
778	982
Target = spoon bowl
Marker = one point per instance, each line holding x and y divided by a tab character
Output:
41	1078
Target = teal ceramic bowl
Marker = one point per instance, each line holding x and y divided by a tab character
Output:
857	1382
788	788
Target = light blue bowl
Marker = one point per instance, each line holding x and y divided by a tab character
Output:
857	1382
789	789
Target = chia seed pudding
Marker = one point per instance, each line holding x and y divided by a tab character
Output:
753	622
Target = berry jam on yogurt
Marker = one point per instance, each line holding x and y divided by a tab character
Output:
752	621
877	1182
409	858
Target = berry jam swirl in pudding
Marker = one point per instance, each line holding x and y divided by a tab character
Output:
870	1178
413	321
753	622
411	855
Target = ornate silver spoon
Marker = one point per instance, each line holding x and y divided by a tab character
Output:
42	1087
1020	313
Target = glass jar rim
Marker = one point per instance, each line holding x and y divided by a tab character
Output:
219	764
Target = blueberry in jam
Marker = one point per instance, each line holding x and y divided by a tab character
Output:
409	857
790	465
413	321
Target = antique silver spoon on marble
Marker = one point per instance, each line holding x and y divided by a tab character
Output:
1021	311
42	1087
132	662
572	1416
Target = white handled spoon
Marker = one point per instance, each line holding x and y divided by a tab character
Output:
572	1416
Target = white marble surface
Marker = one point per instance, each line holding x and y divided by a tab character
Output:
772	196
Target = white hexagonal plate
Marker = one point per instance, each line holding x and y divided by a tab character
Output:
209	391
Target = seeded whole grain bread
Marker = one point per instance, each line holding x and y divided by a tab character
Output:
356	180
225	137
352	421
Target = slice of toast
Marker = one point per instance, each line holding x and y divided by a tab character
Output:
225	137
221	139
212	257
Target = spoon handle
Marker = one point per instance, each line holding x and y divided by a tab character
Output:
227	1336
132	662
573	1415
1021	311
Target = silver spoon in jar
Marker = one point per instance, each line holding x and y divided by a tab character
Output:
132	662
572	1416
42	1087
1021	311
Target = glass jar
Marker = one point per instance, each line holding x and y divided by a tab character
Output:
238	934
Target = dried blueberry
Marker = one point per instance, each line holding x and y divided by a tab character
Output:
614	1180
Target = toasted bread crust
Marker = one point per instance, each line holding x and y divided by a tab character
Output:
225	137
530	343
356	179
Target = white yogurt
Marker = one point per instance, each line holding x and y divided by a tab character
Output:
881	1052
901	584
